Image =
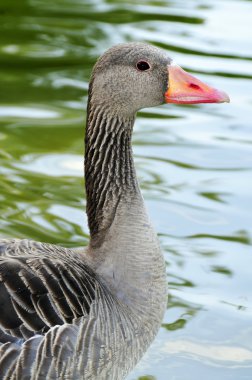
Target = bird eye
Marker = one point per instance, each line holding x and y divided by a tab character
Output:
142	65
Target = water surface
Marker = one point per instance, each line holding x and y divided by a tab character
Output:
193	162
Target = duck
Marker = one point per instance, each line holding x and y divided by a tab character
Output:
91	313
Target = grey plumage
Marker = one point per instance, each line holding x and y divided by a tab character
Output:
91	314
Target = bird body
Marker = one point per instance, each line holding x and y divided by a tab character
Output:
91	313
83	327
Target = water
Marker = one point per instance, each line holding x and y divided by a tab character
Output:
194	162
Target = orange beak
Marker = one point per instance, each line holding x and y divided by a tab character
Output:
184	88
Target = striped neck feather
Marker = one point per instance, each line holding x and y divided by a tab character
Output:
109	168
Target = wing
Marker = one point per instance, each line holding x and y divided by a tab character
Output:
46	325
41	286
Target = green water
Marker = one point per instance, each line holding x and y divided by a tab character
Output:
193	162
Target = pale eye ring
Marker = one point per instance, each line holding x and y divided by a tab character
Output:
142	65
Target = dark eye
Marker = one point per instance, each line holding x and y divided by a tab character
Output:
142	65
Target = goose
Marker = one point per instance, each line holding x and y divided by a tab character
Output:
92	313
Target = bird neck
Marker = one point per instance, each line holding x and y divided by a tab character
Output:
123	246
109	169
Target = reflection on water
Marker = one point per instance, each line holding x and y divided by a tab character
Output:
194	163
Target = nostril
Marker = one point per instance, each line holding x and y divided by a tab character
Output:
195	86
